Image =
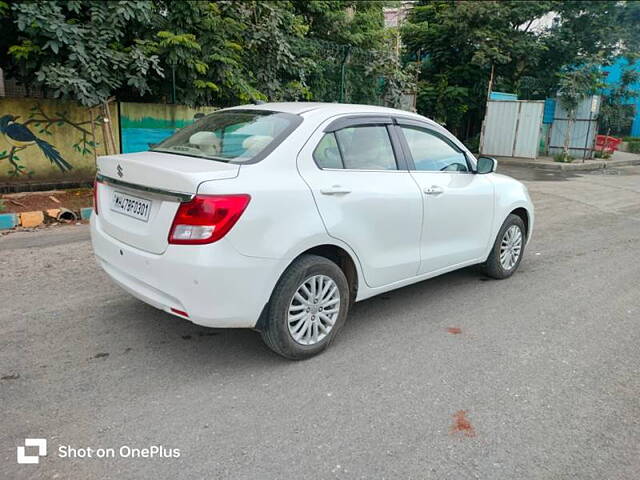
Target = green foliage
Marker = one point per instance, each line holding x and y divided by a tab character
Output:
444	102
634	147
563	158
3	206
602	154
82	49
205	52
473	143
576	84
460	44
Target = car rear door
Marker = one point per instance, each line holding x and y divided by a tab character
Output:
458	204
365	195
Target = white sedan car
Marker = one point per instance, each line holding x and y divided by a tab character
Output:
279	216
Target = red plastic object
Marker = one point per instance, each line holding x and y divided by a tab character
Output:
607	144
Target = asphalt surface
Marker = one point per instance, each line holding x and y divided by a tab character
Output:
541	382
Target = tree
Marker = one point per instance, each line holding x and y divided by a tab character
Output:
525	43
574	86
459	43
203	47
271	27
350	55
82	49
212	52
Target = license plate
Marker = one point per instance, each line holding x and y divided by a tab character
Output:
131	206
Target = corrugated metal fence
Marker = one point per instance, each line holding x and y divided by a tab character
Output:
583	132
511	128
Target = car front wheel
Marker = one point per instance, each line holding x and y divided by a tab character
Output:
507	250
307	309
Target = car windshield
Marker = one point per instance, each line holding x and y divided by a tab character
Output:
237	136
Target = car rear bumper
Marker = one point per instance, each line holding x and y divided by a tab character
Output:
214	284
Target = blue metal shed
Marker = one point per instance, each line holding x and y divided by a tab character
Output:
614	72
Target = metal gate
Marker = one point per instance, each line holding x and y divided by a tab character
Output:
582	134
511	128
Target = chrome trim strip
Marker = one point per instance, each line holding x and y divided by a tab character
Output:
182	197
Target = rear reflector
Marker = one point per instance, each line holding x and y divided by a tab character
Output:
206	218
179	312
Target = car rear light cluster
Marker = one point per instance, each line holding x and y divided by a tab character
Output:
206	218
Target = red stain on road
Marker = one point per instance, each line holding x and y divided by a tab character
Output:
461	424
454	330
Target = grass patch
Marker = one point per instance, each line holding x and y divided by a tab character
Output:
634	146
601	154
563	158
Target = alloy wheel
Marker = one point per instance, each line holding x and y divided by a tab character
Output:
313	310
510	247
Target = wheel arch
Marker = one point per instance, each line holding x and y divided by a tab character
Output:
340	255
523	213
343	259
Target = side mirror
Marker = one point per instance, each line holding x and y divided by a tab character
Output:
486	165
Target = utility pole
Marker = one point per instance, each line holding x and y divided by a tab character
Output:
490	82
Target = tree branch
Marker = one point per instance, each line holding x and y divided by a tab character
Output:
526	29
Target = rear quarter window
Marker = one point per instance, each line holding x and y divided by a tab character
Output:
327	154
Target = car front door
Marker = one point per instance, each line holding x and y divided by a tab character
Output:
366	196
458	204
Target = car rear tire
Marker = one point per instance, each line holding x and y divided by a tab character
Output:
507	250
308	307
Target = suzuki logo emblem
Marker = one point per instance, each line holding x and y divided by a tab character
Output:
119	170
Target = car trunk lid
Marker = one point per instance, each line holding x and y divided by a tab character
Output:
139	193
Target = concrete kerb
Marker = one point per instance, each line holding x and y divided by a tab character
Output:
574	166
36	218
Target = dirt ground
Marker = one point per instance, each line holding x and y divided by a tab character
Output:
73	199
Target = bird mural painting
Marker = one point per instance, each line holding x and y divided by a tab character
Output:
20	136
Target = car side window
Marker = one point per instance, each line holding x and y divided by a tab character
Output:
366	148
327	154
431	153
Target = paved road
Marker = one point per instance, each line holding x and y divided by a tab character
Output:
542	382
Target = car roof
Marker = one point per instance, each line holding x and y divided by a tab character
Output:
300	108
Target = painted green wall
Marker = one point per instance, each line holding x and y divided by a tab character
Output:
145	124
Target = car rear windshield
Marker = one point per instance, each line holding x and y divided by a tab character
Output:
234	136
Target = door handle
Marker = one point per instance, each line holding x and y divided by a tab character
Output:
335	190
433	190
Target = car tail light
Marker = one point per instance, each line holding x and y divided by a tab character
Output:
95	195
206	218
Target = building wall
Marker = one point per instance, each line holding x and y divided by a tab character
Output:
63	127
614	73
66	127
